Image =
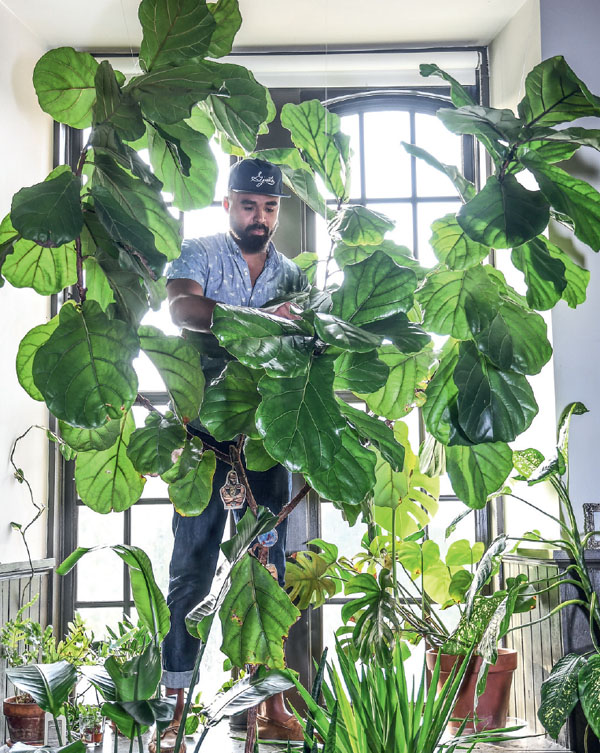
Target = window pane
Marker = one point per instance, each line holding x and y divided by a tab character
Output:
151	531
401	213
200	222
432	135
96	619
450	509
337	531
427	213
100	573
387	164
349	125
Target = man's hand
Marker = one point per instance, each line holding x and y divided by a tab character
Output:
283	310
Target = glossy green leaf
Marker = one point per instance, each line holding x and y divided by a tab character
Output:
560	693
191	494
458	303
460	96
107	142
342	334
374	289
257	339
308	263
122	720
240	115
360	372
464	187
179	365
299	419
167	95
64	84
478	471
527	461
115	108
441	394
453	247
174	30
359	226
489	122
28	347
49	212
462	553
407	374
147	712
284	156
257	458
230	403
504	214
351	475
256	616
228	20
313	129
303	184
376	432
549	151
493	405
106	480
84	370
571	196
554	94
589	692
48	684
151	447
97	284
544	274
46	270
516	339
309	579
193	187
564	426
86	440
407	336
576	276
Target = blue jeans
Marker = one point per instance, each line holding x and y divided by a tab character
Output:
195	555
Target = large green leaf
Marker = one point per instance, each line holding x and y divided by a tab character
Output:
360	372
49	212
560	693
299	419
313	129
374	289
554	94
240	115
167	95
84	370
64	83
191	493
309	579
192	187
107	142
178	363
28	347
303	184
464	187
458	303
493	405
46	270
544	274
487	122
257	458
589	692
407	336
96	283
86	440
441	394
571	196
351	475
137	678
459	95
282	347
376	432
143	202
228	21
342	334
147	712
576	276
504	214
453	247
247	693
150	448
478	471
256	616
174	30
359	226
516	339
230	403
115	108
106	480
407	373
48	684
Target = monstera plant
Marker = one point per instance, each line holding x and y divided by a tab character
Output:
102	229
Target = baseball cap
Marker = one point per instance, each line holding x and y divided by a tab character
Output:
256	176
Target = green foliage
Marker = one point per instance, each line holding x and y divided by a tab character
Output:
48	684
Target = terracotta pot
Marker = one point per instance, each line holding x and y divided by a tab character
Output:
25	722
492	707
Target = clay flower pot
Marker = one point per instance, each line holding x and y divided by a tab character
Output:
492	708
25	722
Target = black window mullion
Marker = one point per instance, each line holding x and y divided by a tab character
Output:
413	186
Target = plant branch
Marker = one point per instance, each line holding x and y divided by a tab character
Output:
81	289
236	462
287	509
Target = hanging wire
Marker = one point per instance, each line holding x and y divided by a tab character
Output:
134	56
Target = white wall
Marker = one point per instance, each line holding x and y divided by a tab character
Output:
25	158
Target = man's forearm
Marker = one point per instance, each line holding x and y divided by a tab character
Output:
193	312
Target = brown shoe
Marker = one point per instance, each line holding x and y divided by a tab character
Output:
269	729
168	738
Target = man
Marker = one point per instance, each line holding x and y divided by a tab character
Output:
241	267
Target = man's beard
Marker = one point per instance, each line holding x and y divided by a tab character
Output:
250	242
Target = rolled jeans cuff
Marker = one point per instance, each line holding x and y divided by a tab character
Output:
177	680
